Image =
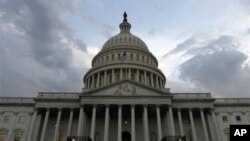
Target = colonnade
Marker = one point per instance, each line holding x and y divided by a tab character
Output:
159	110
105	77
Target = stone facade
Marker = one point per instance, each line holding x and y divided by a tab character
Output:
124	99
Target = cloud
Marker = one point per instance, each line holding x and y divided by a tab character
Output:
218	67
37	48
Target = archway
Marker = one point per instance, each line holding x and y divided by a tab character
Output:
126	136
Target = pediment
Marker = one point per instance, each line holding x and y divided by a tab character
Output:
126	88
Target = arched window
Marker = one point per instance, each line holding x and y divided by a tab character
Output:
3	134
18	133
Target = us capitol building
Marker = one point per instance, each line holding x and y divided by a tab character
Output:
124	99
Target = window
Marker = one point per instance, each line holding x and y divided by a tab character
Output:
21	119
18	135
7	118
238	118
224	118
3	134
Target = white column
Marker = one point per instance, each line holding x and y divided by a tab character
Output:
93	81
180	121
160	83
157	82
192	125
57	124
121	74
129	74
145	124
92	131
98	80
70	121
133	122
113	75
45	124
152	80
204	125
215	125
137	75
145	77
30	133
80	121
171	121
158	116
245	117
105	77
119	134
106	126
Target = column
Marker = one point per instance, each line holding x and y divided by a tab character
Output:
145	124
45	124
192	125
80	121
158	116
105	78
137	75
152	80
121	74
231	118
215	125
70	121
204	125
57	124
98	80
129	74
119	135
157	82
93	81
160	83
171	121
92	131
180	121
30	133
133	122
244	114
145	77
106	125
113	75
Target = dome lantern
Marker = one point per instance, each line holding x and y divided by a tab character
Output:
125	26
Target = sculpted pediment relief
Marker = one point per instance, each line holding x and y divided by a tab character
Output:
125	89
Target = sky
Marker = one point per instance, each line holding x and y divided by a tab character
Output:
201	45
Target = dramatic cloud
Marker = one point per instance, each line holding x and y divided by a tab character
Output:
216	66
37	48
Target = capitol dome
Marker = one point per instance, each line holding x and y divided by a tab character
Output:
124	57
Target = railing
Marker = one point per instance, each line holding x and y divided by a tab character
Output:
58	94
232	100
16	100
192	95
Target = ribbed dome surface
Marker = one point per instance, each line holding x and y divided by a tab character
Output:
124	39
